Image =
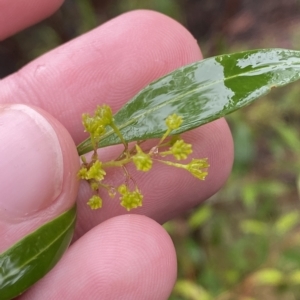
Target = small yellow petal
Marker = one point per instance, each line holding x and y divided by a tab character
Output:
198	168
82	173
94	185
96	171
181	150
95	202
104	112
142	161
173	121
122	189
130	199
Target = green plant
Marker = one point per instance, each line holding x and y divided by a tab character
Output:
94	171
198	93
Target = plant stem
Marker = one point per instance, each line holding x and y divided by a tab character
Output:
119	134
116	163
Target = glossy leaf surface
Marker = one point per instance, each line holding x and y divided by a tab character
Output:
32	257
202	92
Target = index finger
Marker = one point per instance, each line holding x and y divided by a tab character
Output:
18	14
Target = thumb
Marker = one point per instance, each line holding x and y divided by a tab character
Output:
38	180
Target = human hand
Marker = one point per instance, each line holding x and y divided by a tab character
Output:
115	255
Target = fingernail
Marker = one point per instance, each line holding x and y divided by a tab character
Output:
31	172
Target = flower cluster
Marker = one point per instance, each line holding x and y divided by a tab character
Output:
94	171
95	202
142	161
130	199
198	168
95	125
173	122
180	150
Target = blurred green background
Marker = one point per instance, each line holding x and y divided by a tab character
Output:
243	243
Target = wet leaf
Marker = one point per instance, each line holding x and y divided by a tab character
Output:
32	257
202	92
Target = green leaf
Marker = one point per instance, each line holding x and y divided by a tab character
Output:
298	185
287	222
294	277
32	257
268	276
202	92
190	290
200	216
253	227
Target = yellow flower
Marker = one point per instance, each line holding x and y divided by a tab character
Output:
123	189
82	173
95	202
173	121
197	167
93	125
96	171
181	150
130	199
104	112
142	161
94	185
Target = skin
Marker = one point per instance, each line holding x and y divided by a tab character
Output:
114	255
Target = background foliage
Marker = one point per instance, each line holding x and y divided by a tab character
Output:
244	242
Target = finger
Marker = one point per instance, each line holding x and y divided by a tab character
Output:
107	65
127	257
38	171
18	14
